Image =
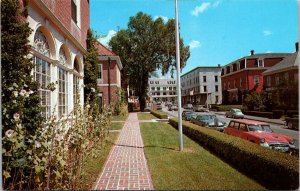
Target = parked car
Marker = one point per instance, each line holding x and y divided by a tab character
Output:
259	133
234	113
209	120
200	108
188	115
188	106
174	108
292	122
158	106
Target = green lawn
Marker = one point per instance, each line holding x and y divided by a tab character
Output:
119	118
193	169
94	166
146	116
116	126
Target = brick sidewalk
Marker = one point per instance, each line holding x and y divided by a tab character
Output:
126	167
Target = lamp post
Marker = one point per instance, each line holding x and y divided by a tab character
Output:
178	77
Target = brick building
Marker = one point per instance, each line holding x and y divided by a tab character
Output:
109	75
245	74
58	44
282	76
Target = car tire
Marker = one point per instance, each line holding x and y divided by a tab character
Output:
290	125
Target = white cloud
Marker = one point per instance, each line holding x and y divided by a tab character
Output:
105	40
194	44
267	33
201	8
204	6
165	19
268	51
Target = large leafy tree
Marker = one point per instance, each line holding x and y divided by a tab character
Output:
21	111
90	67
145	46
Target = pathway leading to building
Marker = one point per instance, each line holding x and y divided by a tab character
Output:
126	167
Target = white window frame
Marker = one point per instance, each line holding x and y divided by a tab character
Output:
256	80
260	63
100	73
62	92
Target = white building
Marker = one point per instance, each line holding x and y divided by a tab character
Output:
202	85
162	90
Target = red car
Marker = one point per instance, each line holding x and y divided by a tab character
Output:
259	133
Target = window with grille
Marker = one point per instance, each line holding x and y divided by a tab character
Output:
62	92
100	72
256	80
74	11
43	76
75	88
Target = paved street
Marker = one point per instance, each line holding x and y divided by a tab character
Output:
126	167
277	128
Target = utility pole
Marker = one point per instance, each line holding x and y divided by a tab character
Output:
178	77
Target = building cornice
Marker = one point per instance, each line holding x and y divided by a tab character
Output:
116	58
42	6
245	69
266	73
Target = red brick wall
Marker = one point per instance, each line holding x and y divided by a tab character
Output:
113	72
62	10
291	73
247	77
113	97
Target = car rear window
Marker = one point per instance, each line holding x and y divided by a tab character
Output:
267	128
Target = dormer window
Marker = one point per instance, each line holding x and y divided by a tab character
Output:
260	63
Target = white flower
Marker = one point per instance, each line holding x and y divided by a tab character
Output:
10	88
9	133
88	106
93	90
4	110
22	93
27	94
25	85
15	93
59	137
14	84
30	92
37	144
17	117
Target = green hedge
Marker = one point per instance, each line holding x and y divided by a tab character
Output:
274	170
259	114
277	114
159	114
226	107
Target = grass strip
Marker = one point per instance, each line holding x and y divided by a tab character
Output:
192	169
116	126
119	118
94	165
146	116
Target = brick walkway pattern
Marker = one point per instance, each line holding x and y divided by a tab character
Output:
126	167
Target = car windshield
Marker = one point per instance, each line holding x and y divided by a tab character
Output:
267	128
207	117
237	110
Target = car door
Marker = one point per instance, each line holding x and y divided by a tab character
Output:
242	131
231	129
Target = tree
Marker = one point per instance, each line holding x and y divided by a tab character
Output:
91	68
252	100
145	46
21	111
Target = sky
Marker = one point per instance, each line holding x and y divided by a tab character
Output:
217	31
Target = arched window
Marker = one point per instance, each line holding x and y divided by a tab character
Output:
62	85
41	44
42	72
76	81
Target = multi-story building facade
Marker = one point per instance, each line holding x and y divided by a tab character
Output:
162	90
282	76
202	85
58	44
109	75
245	74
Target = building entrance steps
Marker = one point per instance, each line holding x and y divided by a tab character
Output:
126	167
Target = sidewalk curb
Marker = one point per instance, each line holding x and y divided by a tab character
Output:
255	119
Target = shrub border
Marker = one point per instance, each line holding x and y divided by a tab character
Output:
159	114
274	170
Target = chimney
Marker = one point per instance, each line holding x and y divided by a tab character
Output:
219	65
297	46
252	52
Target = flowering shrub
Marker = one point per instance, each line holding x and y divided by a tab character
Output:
120	107
58	150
